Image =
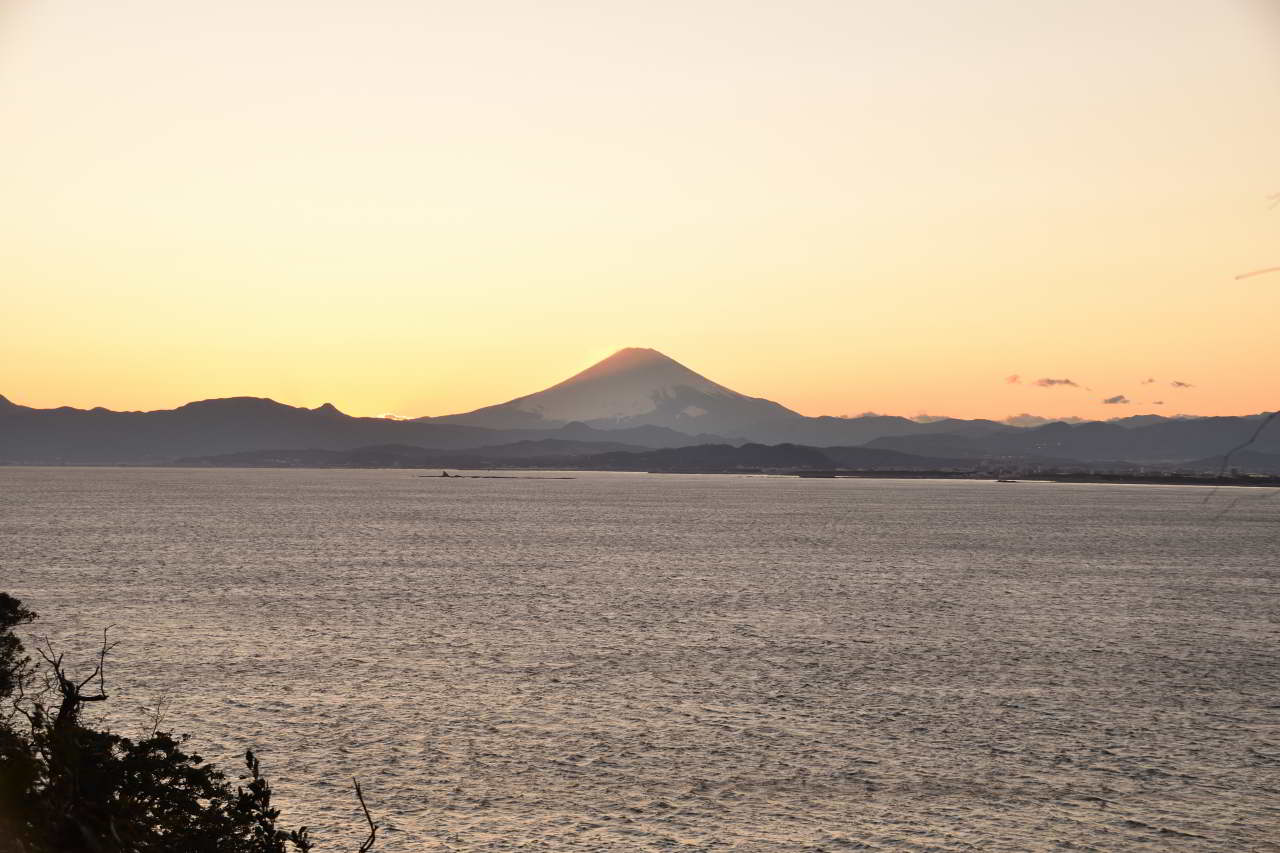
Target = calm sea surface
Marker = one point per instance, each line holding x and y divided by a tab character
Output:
649	662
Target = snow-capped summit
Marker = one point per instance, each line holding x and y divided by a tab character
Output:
632	387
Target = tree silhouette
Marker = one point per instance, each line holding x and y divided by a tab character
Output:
66	787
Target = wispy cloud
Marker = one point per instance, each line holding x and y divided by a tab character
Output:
1157	402
1117	400
1148	381
1014	379
1176	384
1262	271
1050	383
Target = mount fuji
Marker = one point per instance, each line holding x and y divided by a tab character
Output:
632	387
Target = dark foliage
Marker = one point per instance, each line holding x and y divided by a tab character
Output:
13	662
66	787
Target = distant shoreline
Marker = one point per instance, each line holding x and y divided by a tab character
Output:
1112	479
1118	479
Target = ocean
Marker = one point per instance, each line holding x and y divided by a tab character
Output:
684	662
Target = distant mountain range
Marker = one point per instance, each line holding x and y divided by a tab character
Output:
239	424
1160	442
637	400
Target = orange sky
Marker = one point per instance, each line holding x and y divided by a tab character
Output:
844	206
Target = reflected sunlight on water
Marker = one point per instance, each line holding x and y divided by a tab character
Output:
652	662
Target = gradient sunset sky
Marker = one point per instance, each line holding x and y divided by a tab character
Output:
426	207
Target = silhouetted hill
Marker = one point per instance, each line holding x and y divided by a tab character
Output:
238	424
826	431
725	457
557	447
382	456
649	436
228	425
1245	461
1168	440
1145	420
713	457
870	458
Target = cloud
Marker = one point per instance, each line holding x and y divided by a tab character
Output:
1014	379
1049	383
1176	384
1262	271
1117	400
1148	381
1158	403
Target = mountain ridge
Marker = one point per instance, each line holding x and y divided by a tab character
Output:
1162	442
241	424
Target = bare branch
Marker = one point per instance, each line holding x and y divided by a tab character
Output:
99	670
1226	461
50	657
373	827
157	712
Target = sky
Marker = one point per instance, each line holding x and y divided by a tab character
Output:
841	205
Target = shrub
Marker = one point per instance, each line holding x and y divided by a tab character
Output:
66	787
